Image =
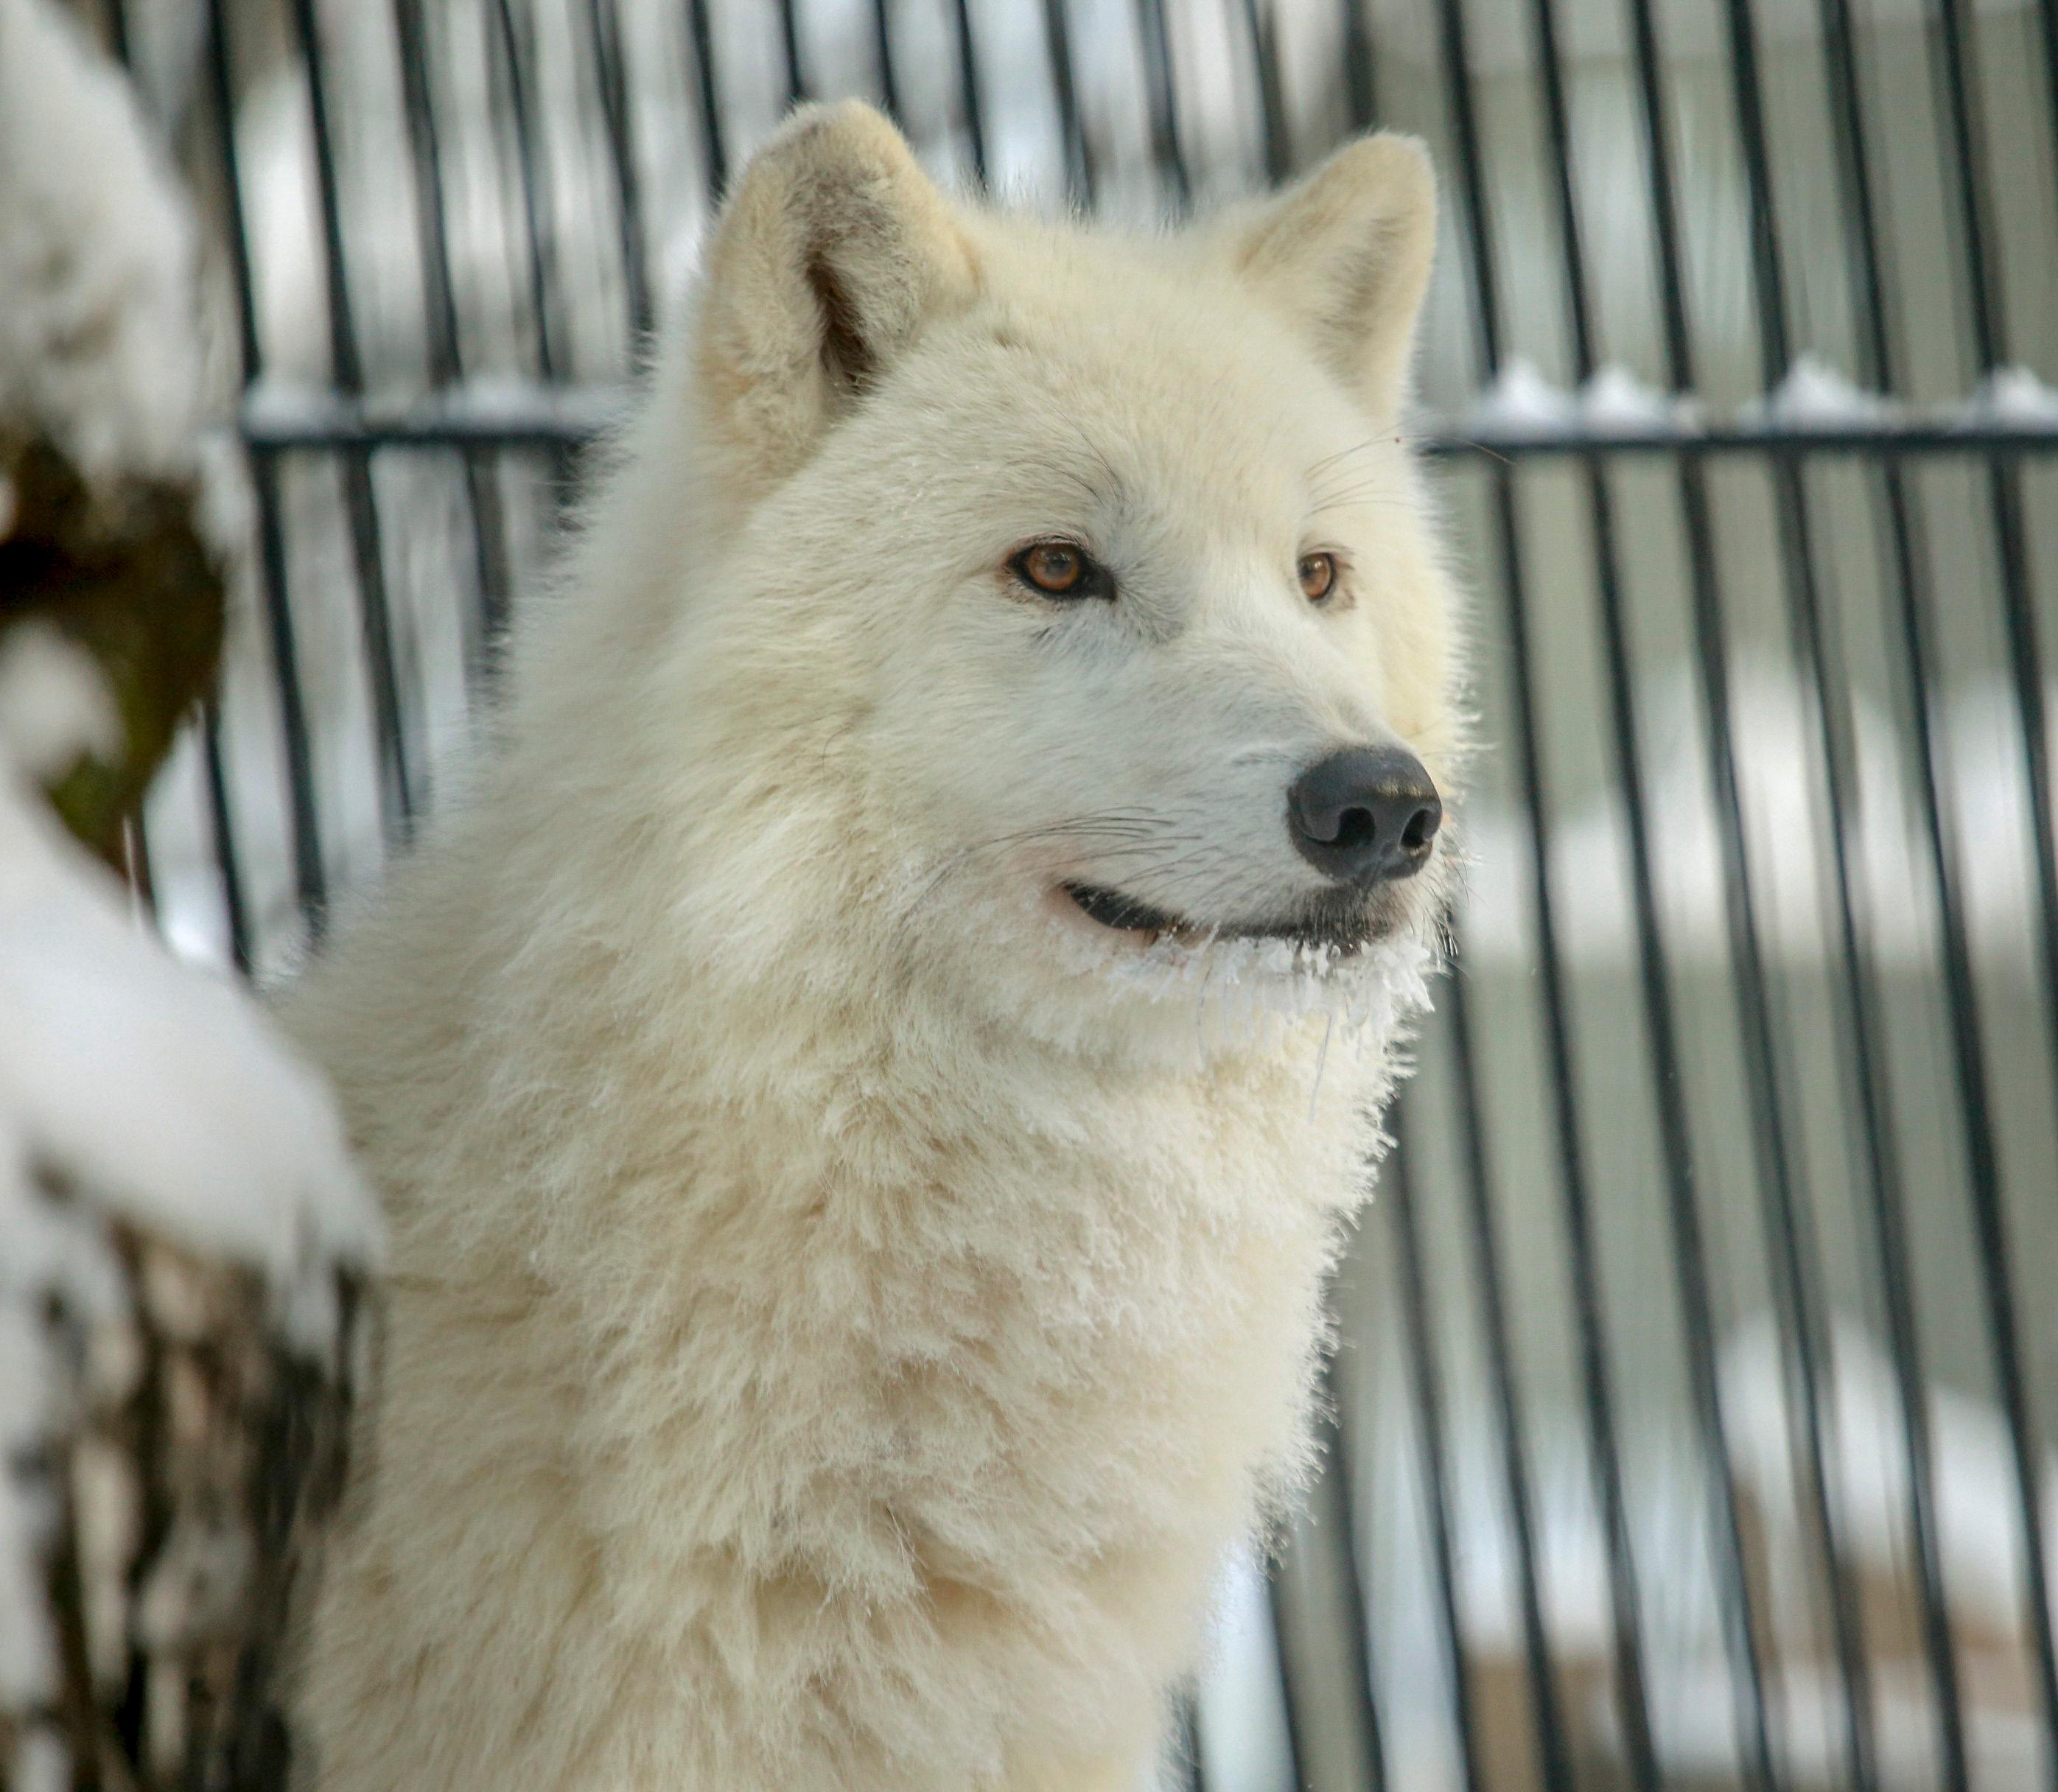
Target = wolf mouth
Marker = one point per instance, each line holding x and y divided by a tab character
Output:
1342	925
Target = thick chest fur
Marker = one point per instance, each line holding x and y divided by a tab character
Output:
856	1452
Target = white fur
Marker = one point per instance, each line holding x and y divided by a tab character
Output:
846	1302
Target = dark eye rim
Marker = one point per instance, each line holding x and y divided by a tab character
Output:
1327	594
1094	580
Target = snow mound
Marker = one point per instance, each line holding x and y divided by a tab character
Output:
159	1087
1816	395
1522	402
2014	397
98	344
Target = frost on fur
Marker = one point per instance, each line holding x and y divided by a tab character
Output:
853	1287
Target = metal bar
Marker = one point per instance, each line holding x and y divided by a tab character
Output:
1753	1730
789	47
516	54
315	419
1397	1183
707	78
1583	1263
1193	1770
360	502
135	856
1079	171
446	348
1161	100
1545	1713
1276	1608
1966	110
882	41
1340	1484
974	115
1360	83
2047	15
311	883
222	823
1261	29
119	42
1989	336
603	26
1329	1515
1738	1602
1796	1277
540	237
1864	1020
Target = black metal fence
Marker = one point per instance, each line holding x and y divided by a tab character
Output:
1696	1381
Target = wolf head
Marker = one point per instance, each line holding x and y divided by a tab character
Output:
1041	600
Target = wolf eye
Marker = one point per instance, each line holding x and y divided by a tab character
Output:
1060	570
1318	577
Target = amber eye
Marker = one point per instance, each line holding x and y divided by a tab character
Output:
1318	577
1060	570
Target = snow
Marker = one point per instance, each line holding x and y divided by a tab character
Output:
2013	397
1522	402
160	1087
1816	395
156	1089
1614	402
53	706
98	345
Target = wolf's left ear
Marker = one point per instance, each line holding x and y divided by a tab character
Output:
832	254
1346	253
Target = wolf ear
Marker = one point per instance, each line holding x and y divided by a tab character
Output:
831	255
1346	253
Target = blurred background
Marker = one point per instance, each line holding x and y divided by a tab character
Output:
1693	1412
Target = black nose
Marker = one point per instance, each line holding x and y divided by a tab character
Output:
1365	815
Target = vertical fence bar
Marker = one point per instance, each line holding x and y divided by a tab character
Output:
1260	28
1339	1482
1278	1609
1477	1178
1398	1186
1582	1259
1162	100
1737	1602
1866	1021
1360	88
1796	1279
603	28
1631	1685
1192	1769
221	821
789	47
1079	172
708	91
1986	315
310	877
360	502
974	114
539	235
882	45
489	526
1329	1516
2004	497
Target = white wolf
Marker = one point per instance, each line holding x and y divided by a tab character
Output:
852	1082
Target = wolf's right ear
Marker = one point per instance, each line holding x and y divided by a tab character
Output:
1346	254
832	254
